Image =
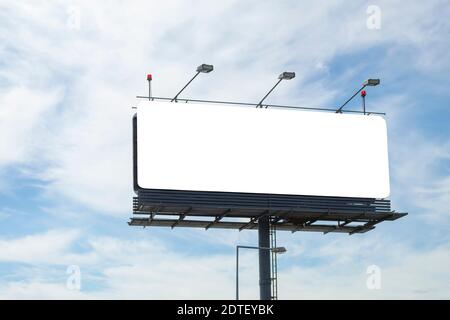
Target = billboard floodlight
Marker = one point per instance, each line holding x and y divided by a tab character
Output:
279	250
371	82
205	68
287	76
367	83
284	76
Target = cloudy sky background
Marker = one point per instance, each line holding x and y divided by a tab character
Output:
67	85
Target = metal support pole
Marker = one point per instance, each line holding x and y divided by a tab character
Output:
237	273
345	103
149	79
149	90
264	258
363	96
265	275
176	96
270	91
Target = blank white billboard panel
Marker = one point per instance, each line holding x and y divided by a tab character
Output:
208	147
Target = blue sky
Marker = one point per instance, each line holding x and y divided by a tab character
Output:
69	72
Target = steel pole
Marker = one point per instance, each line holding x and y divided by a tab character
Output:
345	103
237	273
264	258
192	79
260	103
364	104
149	90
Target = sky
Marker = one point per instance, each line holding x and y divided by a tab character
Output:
69	75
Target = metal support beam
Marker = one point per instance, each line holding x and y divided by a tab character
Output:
346	222
252	220
371	224
339	225
287	226
176	96
270	91
254	104
181	217
339	110
308	223
370	83
217	219
303	225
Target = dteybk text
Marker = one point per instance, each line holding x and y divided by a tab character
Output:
226	309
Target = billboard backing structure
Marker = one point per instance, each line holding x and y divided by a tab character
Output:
223	161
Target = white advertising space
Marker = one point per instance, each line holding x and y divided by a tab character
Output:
210	147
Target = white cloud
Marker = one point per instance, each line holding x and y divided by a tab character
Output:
405	273
22	122
420	175
148	269
38	289
51	247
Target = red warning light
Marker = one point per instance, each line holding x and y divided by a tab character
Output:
363	93
149	77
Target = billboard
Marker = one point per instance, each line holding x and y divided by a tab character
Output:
210	147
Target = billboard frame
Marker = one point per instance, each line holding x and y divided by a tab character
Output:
172	208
